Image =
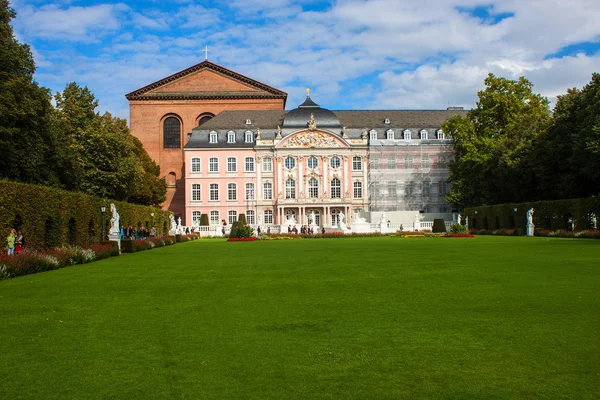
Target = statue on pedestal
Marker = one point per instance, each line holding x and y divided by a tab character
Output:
173	229
114	221
530	226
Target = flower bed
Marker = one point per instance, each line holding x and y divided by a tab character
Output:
459	235
249	239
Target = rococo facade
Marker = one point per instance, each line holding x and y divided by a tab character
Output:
310	165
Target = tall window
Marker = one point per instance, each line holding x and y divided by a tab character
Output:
392	190
426	188
249	163
408	162
425	161
250	219
213	137
172	133
335	217
268	216
313	188
232	216
214	191
290	162
267	191
196	217
424	134
391	161
231	137
389	134
358	190
249	137
442	188
196	196
290	189
441	135
231	191
195	164
407	135
231	164
213	164
267	164
313	162
356	163
214	218
249	191
335	162
336	188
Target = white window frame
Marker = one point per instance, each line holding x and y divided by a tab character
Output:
336	188
213	137
314	161
268	216
196	192
391	161
267	164
424	134
372	134
231	137
249	191
289	160
290	189
232	216
196	217
441	135
389	134
196	164
357	190
267	191
213	190
250	217
214	217
356	163
232	191
231	164
249	164
313	190
213	164
249	136
407	134
335	160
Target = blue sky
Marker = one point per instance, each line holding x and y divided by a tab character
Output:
353	54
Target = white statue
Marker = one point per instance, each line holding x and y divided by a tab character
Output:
173	224
382	219
530	216
458	218
311	218
291	219
114	221
341	223
341	216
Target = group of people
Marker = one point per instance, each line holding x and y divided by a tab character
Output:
15	242
137	233
304	230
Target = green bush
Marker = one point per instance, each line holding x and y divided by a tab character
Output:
50	218
244	231
234	228
438	226
204	220
242	220
458	228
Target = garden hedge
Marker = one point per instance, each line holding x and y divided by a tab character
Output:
572	214
50	217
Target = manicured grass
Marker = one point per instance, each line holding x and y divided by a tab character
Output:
376	318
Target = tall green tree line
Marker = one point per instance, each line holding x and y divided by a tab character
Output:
70	146
511	148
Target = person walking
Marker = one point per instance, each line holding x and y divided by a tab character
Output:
19	243
10	241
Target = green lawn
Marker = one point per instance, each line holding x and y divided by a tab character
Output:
376	318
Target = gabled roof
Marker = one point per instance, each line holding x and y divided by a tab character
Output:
262	90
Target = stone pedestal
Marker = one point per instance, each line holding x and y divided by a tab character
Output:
530	229
360	227
115	237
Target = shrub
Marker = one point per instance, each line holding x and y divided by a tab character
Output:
204	220
242	219
234	228
245	231
438	225
458	229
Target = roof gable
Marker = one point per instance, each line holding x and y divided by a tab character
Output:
206	80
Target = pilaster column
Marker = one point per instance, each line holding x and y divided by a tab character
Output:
258	194
325	182
365	165
280	177
300	162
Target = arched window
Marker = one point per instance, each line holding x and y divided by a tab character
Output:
214	218
196	217
313	162
231	191
196	192
195	164
231	164
313	188
213	164
204	118
232	215
214	192
290	189
171	179
249	164
336	188
335	217
171	133
249	191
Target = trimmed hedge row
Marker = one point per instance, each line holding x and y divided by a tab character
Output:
572	214
50	217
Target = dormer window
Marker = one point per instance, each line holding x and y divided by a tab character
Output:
387	121
373	134
231	137
249	137
407	134
423	134
389	134
441	135
248	122
213	137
